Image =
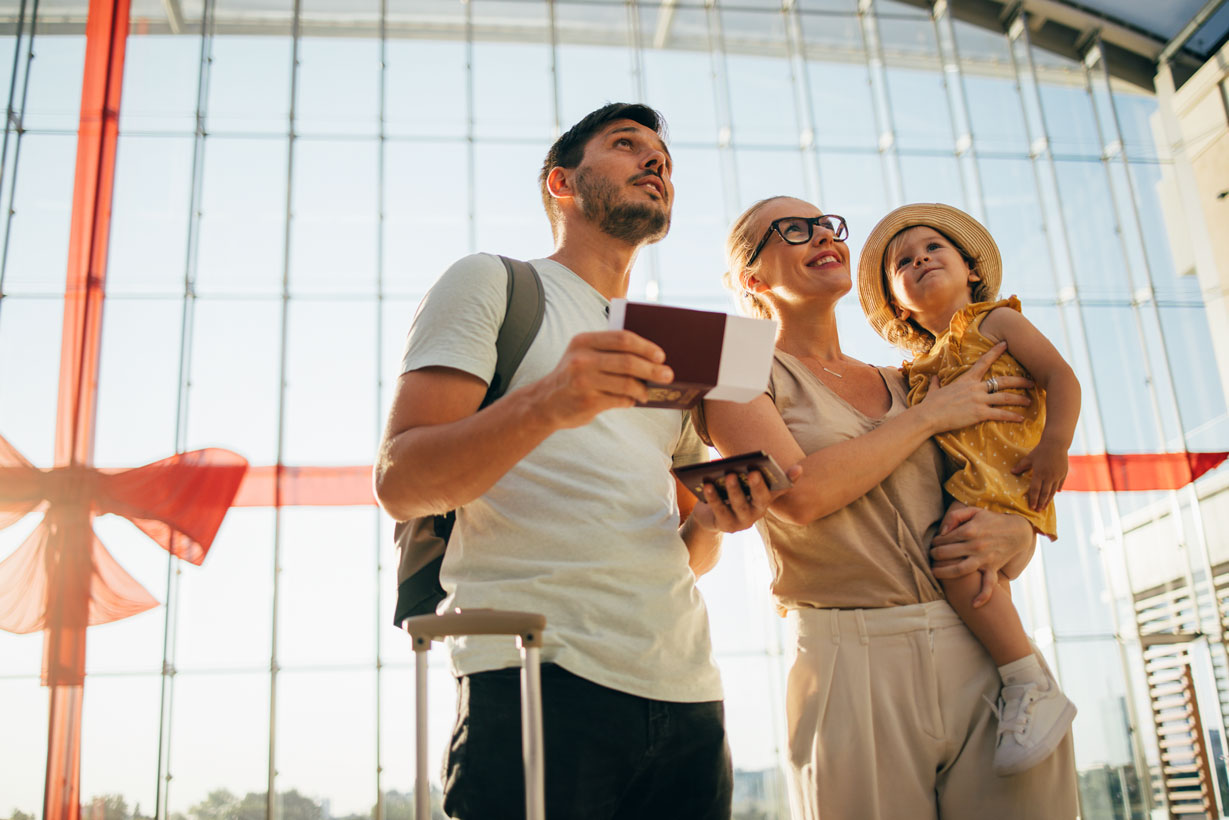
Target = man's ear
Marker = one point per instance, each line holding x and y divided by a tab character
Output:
559	182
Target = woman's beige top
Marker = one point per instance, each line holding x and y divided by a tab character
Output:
874	552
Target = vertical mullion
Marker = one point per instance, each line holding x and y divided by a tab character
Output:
272	809
1109	147
884	122
171	617
8	119
1045	177
12	118
636	39
15	121
724	108
470	160
808	144
553	34
1123	190
640	92
958	107
381	146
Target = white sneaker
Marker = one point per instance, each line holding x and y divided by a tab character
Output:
1032	722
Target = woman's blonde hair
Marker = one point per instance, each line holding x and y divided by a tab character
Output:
907	333
739	245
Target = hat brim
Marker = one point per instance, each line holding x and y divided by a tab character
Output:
964	230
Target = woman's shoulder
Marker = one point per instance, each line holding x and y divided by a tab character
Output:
784	375
787	365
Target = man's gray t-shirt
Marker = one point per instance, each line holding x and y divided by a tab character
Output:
584	529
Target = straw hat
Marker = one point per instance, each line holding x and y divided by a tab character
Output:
969	234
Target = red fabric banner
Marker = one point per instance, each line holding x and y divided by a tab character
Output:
106	35
350	486
68	552
306	487
1137	472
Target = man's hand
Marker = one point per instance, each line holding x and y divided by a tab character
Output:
1049	465
972	540
435	419
600	371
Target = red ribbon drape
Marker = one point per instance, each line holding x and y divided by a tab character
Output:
63	577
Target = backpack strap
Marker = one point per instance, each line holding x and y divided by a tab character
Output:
522	319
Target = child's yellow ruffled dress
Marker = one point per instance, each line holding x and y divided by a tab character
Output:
980	457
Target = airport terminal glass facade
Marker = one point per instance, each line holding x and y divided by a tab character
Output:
293	175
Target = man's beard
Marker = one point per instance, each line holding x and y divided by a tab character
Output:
637	223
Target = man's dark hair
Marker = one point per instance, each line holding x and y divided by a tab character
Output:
569	149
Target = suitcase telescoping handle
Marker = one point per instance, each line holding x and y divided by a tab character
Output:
527	627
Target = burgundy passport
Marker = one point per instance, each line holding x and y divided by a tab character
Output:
693	476
712	354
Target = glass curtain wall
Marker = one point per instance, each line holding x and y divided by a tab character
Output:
294	174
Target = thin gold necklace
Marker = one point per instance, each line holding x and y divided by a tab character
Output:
825	369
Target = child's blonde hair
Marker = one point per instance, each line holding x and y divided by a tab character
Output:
965	233
907	333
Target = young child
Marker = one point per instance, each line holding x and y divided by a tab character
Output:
927	278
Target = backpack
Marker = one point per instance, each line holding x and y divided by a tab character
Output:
422	541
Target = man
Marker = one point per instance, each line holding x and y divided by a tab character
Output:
566	506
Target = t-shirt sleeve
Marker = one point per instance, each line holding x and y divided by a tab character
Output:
459	319
771	389
689	449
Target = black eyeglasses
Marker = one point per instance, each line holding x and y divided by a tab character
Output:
798	230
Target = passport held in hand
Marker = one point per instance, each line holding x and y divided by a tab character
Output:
693	476
713	355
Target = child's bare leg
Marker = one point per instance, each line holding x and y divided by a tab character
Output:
996	624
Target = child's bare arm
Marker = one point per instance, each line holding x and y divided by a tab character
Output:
1012	569
1030	347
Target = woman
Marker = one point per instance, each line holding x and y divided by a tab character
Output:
885	694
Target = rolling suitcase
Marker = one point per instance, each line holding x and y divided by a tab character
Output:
527	627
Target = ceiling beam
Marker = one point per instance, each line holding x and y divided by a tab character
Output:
1131	55
1188	31
1086	22
665	19
174	15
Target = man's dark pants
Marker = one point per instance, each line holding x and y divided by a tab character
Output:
609	755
